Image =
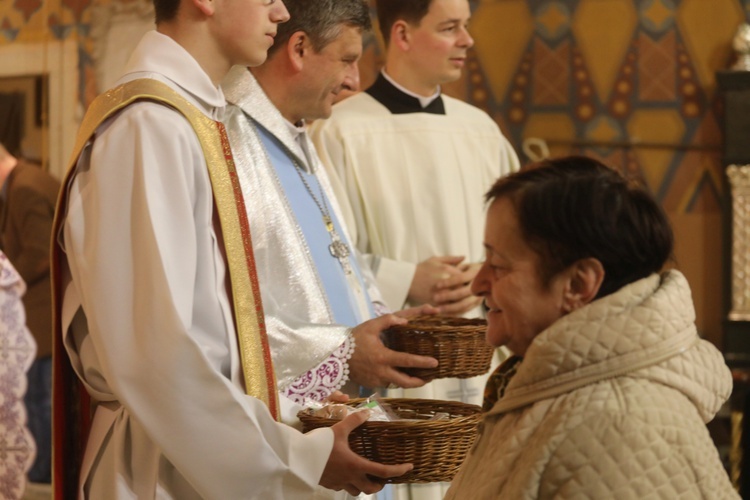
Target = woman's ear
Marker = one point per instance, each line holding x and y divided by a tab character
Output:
585	280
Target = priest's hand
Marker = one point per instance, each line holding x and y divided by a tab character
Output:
374	365
348	471
453	294
428	274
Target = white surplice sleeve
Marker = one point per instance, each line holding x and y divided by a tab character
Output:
160	342
509	161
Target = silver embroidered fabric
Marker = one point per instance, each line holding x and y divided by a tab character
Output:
299	320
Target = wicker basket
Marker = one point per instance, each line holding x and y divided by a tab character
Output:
436	448
458	344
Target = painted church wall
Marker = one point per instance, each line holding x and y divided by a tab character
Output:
629	81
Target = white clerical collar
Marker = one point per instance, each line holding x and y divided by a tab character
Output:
423	101
296	130
299	133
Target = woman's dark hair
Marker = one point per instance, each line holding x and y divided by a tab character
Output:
576	207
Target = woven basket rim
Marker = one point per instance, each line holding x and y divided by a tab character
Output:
476	412
437	324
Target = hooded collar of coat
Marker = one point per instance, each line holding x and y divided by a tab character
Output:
644	330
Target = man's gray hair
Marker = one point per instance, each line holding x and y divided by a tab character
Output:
322	20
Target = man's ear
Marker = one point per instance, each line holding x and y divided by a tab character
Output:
297	48
401	35
585	278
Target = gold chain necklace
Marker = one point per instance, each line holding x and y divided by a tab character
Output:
337	248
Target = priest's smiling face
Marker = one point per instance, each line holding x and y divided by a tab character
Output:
438	45
328	72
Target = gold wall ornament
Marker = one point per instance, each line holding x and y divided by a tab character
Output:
739	181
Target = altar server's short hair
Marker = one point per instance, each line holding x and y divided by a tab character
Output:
390	11
165	10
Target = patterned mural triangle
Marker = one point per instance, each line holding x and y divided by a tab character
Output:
27	7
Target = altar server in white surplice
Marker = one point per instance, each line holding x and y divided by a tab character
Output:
414	165
156	293
318	299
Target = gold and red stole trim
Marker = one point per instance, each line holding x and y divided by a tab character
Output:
71	408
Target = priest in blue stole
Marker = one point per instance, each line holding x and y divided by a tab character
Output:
319	297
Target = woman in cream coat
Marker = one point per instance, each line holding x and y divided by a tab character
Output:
610	387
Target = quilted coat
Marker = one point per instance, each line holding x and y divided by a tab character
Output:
610	401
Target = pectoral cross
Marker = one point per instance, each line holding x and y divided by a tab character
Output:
338	248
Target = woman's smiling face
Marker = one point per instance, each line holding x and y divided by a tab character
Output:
520	305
